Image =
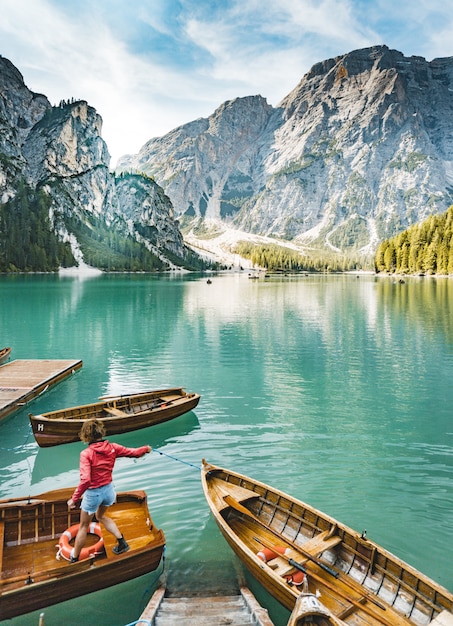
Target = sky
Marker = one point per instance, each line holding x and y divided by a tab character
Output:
149	66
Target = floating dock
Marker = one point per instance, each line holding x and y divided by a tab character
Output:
23	380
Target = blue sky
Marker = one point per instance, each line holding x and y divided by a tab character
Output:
148	66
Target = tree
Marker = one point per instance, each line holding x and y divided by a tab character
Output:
425	247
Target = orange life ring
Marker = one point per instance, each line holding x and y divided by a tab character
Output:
265	554
65	547
295	579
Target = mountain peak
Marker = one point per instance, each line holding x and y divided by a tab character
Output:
359	149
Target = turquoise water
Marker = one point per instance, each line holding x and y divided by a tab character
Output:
335	389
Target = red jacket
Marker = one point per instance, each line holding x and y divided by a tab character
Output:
96	464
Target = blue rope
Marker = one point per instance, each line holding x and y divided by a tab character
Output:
176	459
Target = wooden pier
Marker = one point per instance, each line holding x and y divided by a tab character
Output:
23	380
241	609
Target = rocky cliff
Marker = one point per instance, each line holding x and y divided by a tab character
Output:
59	150
359	150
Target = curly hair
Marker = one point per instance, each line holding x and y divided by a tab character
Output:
92	430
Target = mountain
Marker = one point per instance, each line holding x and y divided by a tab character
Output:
359	150
53	162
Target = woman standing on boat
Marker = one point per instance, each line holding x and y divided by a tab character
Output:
95	488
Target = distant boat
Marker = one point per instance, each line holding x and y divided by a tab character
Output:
293	548
31	529
120	414
4	355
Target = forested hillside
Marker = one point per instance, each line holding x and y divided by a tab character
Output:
425	248
27	240
278	258
61	206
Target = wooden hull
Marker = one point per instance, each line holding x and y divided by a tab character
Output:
5	353
120	414
359	581
309	611
32	578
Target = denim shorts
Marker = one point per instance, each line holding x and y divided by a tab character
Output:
94	498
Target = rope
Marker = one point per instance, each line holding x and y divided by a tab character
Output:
198	467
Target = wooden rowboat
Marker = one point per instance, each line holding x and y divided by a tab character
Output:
30	530
120	414
4	355
359	581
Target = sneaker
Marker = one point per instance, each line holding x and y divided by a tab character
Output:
121	547
72	558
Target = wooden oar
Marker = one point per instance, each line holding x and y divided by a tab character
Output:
359	589
239	507
153	408
157	393
38	499
370	611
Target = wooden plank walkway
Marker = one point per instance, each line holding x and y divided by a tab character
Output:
241	609
23	380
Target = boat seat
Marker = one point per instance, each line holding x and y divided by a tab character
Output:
113	411
445	618
280	566
321	542
240	494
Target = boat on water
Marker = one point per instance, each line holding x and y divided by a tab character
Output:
292	548
119	414
34	533
5	353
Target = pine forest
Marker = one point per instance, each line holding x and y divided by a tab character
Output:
424	248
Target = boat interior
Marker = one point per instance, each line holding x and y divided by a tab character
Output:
30	532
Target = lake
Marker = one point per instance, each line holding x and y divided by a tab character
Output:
335	389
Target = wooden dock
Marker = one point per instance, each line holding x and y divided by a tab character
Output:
241	609
23	380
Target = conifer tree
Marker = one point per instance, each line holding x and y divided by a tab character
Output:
422	248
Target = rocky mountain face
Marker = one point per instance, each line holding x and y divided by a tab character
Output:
60	150
358	151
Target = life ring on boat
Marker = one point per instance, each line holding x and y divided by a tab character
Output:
65	547
296	579
265	554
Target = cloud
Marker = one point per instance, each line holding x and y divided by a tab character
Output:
149	67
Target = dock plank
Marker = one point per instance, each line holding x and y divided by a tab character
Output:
23	380
239	609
